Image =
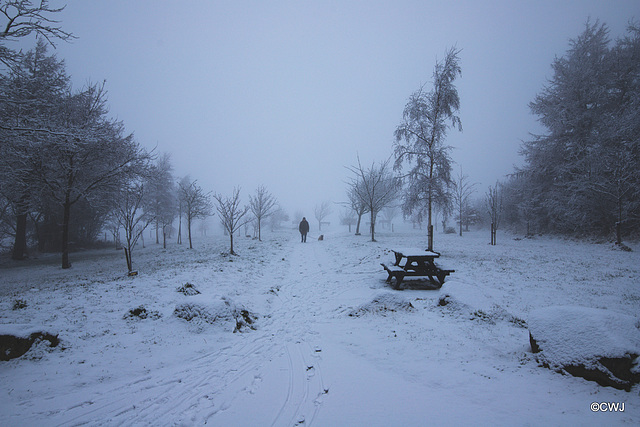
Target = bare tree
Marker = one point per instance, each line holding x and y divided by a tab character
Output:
194	202
131	216
322	211
278	216
93	158
462	191
232	214
347	217
420	139
494	208
390	213
262	205
376	187
162	196
357	205
20	18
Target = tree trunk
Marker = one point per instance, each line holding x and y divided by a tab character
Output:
127	256
164	237
358	225
180	228
373	227
619	223
65	232
259	231
460	219
430	224
189	231
231	252
20	242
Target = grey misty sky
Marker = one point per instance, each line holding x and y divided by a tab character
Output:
286	93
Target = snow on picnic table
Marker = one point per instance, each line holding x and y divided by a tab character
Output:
332	344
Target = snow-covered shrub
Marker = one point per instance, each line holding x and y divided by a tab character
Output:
223	311
19	303
596	344
189	311
188	289
383	303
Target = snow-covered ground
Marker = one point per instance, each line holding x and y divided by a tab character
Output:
331	343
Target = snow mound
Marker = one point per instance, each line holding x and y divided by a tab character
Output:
16	340
223	311
452	303
585	340
490	316
383	303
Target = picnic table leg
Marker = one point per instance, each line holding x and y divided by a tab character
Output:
399	278
398	258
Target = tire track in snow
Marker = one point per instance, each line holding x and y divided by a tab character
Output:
199	388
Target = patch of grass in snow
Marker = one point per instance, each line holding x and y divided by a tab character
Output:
142	313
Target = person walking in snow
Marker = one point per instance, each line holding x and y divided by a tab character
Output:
304	229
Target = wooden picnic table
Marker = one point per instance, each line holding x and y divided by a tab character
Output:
415	262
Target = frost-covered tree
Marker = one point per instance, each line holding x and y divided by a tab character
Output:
278	217
161	199
194	202
20	18
131	216
232	214
30	94
322	211
420	140
585	167
347	217
262	205
389	213
358	206
376	187
462	191
88	157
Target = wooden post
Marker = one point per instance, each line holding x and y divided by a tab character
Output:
430	237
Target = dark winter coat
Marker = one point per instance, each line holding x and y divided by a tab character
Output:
304	227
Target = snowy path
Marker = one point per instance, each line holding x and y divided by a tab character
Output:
272	376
